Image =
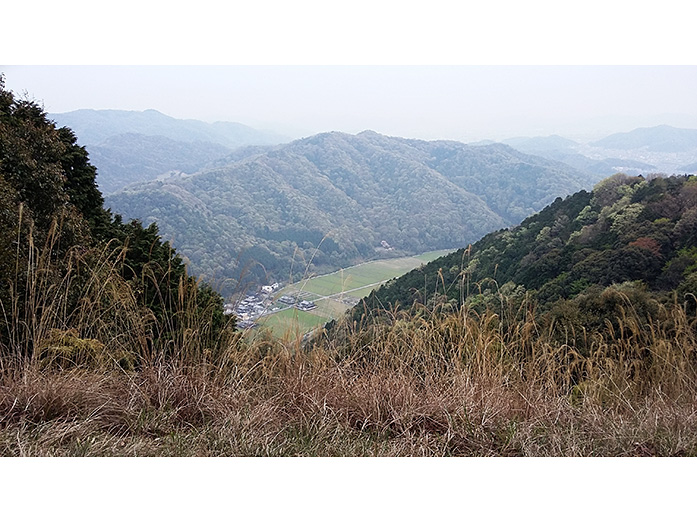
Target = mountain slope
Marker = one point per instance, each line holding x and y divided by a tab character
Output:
627	229
132	158
513	184
268	212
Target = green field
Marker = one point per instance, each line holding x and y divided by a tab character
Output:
292	321
365	274
334	293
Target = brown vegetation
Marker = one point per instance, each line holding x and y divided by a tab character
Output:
424	383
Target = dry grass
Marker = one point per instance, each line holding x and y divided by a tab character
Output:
278	401
420	383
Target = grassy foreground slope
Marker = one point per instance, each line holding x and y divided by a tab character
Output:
428	386
77	284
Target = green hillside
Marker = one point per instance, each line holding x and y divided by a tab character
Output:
636	233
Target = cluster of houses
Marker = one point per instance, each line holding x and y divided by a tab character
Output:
302	305
252	305
255	305
288	300
306	305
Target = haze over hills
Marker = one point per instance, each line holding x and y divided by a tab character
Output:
662	138
541	143
187	146
269	212
94	126
136	146
660	149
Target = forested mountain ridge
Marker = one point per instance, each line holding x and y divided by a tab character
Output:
133	158
330	200
563	258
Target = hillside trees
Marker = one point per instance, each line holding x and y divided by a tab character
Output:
630	237
57	238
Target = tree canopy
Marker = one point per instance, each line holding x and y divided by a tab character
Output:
630	232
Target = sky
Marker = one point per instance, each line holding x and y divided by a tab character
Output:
443	70
467	102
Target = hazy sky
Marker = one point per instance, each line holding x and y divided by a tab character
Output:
454	102
462	102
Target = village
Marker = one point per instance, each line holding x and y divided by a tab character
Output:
255	305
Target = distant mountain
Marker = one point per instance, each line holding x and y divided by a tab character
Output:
134	158
609	166
138	146
95	126
604	167
691	168
640	152
540	143
662	138
330	200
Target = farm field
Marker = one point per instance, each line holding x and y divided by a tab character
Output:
336	292
351	279
292	320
